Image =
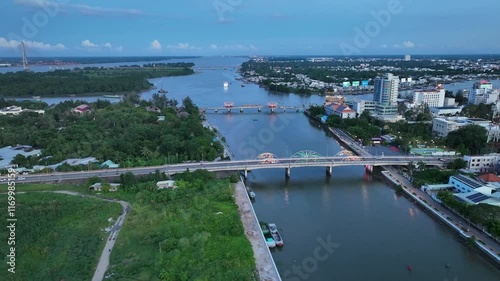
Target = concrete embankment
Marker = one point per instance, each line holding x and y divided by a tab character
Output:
264	261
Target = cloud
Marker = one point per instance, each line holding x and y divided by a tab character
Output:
88	44
155	45
80	8
4	43
182	46
383	46
108	45
408	44
213	46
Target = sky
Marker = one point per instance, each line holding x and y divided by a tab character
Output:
248	27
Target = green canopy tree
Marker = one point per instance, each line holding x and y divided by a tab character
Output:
472	137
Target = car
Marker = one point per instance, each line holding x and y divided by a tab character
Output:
21	179
3	179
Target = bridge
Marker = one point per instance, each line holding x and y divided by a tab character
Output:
264	161
271	106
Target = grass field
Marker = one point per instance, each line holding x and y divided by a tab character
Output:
184	234
24	187
58	237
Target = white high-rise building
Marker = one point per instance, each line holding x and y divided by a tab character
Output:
407	58
482	92
433	97
386	90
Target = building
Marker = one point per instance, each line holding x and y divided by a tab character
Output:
341	110
482	163
361	105
98	186
386	110
82	108
407	58
110	165
334	99
447	110
166	184
441	126
11	110
432	97
482	92
386	89
474	192
449	101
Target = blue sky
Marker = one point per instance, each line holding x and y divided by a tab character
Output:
249	27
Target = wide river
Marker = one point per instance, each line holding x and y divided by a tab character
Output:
370	233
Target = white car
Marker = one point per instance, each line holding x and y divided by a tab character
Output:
21	179
3	179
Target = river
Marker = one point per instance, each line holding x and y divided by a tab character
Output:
372	233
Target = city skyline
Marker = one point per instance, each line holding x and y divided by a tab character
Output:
238	27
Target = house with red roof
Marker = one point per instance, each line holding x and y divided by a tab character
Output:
342	110
82	108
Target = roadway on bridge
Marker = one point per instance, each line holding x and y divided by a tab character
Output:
238	165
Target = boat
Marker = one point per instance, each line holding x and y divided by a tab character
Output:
267	235
242	85
250	193
226	84
112	96
161	91
36	97
275	234
410	268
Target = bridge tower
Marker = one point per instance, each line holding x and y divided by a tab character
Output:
369	169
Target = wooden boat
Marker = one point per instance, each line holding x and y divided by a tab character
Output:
275	234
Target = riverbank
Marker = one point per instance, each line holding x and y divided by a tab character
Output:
487	246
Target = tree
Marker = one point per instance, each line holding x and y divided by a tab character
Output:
316	110
470	137
457	164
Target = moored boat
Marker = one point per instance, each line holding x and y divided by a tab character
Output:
275	234
267	235
250	193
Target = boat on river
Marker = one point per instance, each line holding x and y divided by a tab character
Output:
250	192
267	235
275	234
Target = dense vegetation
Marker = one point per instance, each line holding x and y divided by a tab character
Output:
193	232
470	139
481	214
127	133
87	80
58	237
424	176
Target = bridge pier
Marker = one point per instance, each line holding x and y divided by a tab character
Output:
216	110
229	110
272	110
369	169
329	170
259	109
287	172
246	174
241	110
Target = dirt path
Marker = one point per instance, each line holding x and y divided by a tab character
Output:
263	260
103	264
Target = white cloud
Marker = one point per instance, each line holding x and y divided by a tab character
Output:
119	49
108	45
88	44
383	46
4	43
396	46
155	45
240	47
213	46
80	8
182	46
409	44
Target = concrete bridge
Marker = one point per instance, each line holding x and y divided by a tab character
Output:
266	162
271	106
